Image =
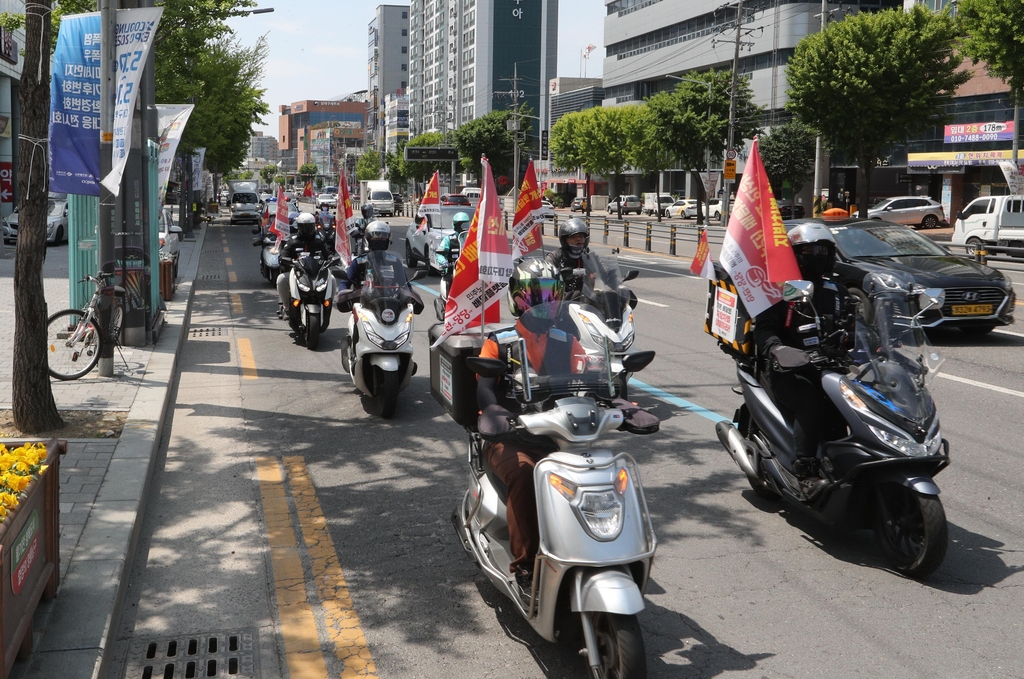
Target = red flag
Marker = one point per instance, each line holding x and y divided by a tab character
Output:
308	191
280	225
701	264
756	251
431	203
526	236
483	268
341	242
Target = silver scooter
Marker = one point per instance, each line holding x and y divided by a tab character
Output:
597	543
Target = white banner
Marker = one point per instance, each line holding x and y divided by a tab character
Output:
136	29
171	119
1014	179
197	166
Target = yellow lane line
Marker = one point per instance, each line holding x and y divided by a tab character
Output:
226	249
232	277
340	618
236	303
246	359
303	654
227	260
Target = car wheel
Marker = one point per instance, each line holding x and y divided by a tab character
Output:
972	246
930	222
410	256
718	215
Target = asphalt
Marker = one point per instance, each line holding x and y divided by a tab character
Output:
104	483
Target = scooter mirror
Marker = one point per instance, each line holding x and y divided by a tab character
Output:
486	367
630	275
418	275
930	297
797	291
637	361
439	309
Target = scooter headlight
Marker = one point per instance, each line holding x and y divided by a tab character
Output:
321	283
401	339
601	512
374	337
595	333
907	446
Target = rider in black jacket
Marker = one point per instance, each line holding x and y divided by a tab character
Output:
308	240
574	237
792	324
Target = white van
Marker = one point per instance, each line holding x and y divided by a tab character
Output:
995	220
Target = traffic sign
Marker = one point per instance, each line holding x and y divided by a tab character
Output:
730	170
6	182
730	154
431	153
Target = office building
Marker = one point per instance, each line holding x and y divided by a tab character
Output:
387	67
10	111
396	121
297	120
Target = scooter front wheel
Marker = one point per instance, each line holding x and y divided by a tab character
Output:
620	645
313	331
386	384
912	530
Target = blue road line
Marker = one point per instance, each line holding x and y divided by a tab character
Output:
433	292
676	401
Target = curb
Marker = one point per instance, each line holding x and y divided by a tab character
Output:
81	624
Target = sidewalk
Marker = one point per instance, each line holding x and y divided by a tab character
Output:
103	482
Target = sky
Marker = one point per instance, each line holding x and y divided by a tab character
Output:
318	47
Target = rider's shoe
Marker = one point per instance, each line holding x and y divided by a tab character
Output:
805	468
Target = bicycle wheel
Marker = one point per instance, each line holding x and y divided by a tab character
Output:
116	322
72	344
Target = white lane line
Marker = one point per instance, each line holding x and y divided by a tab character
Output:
1007	332
646	301
667	273
983	385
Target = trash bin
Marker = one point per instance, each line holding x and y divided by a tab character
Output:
166	279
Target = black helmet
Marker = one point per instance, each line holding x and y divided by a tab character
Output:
305	225
570	228
367	211
534	284
378	235
815	250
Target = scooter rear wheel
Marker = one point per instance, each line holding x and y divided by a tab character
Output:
620	644
911	529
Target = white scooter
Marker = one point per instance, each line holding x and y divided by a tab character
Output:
603	313
597	542
377	352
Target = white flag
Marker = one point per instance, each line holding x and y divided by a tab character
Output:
171	119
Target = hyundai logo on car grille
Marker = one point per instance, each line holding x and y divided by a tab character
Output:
971	296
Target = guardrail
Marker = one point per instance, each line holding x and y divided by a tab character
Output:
983	252
666	237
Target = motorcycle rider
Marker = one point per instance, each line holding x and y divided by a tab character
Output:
368	213
791	325
535	284
573	238
378	238
460	222
306	239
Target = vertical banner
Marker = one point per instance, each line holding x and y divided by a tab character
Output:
197	167
756	251
495	256
345	221
702	264
171	120
135	31
75	107
526	235
280	225
431	203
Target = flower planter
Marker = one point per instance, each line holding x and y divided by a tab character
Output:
30	556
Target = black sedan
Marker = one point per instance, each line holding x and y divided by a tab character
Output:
978	297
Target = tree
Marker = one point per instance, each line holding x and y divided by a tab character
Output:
34	409
873	79
788	155
268	173
489	136
566	148
647	149
693	120
308	172
604	141
280	180
368	166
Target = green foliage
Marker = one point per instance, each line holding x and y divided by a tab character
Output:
554	198
788	155
875	78
11	21
268	173
307	172
993	32
647	149
489	136
564	142
395	166
280	180
368	166
421	171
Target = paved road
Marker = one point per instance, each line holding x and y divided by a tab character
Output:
288	511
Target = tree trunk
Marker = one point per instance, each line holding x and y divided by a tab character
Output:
32	398
866	165
701	198
586	191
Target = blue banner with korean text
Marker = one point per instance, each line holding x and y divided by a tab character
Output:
75	107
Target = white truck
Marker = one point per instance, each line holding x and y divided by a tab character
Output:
244	201
378	194
992	220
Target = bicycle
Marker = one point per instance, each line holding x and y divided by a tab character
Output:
74	338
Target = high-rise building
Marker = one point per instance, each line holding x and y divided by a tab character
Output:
296	121
263	147
467	53
387	67
396	121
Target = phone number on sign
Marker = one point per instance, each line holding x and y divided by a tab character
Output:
962	138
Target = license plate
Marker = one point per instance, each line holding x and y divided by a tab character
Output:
972	309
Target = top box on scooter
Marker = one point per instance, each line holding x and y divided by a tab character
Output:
727	319
452	383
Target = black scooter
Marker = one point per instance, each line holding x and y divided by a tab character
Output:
880	473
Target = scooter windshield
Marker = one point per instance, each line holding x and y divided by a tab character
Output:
549	361
603	291
894	362
385	287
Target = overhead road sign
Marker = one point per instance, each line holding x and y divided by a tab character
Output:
431	153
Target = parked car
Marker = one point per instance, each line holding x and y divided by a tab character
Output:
629	204
789	210
994	220
422	244
56	221
978	297
713	208
676	209
547	210
579	204
663	202
170	246
455	199
910	210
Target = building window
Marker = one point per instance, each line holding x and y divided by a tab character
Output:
403	84
404	67
405	32
405	15
404	49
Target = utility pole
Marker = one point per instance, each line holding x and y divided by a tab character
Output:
513	126
106	230
816	199
727	184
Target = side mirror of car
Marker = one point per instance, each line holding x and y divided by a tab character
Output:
486	367
797	291
175	228
630	275
638	361
961	215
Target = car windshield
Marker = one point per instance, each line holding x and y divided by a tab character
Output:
380	195
447	212
245	198
879	239
55	208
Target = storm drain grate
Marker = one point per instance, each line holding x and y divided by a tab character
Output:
234	653
211	277
196	333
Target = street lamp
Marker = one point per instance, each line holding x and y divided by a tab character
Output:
707	157
261	10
